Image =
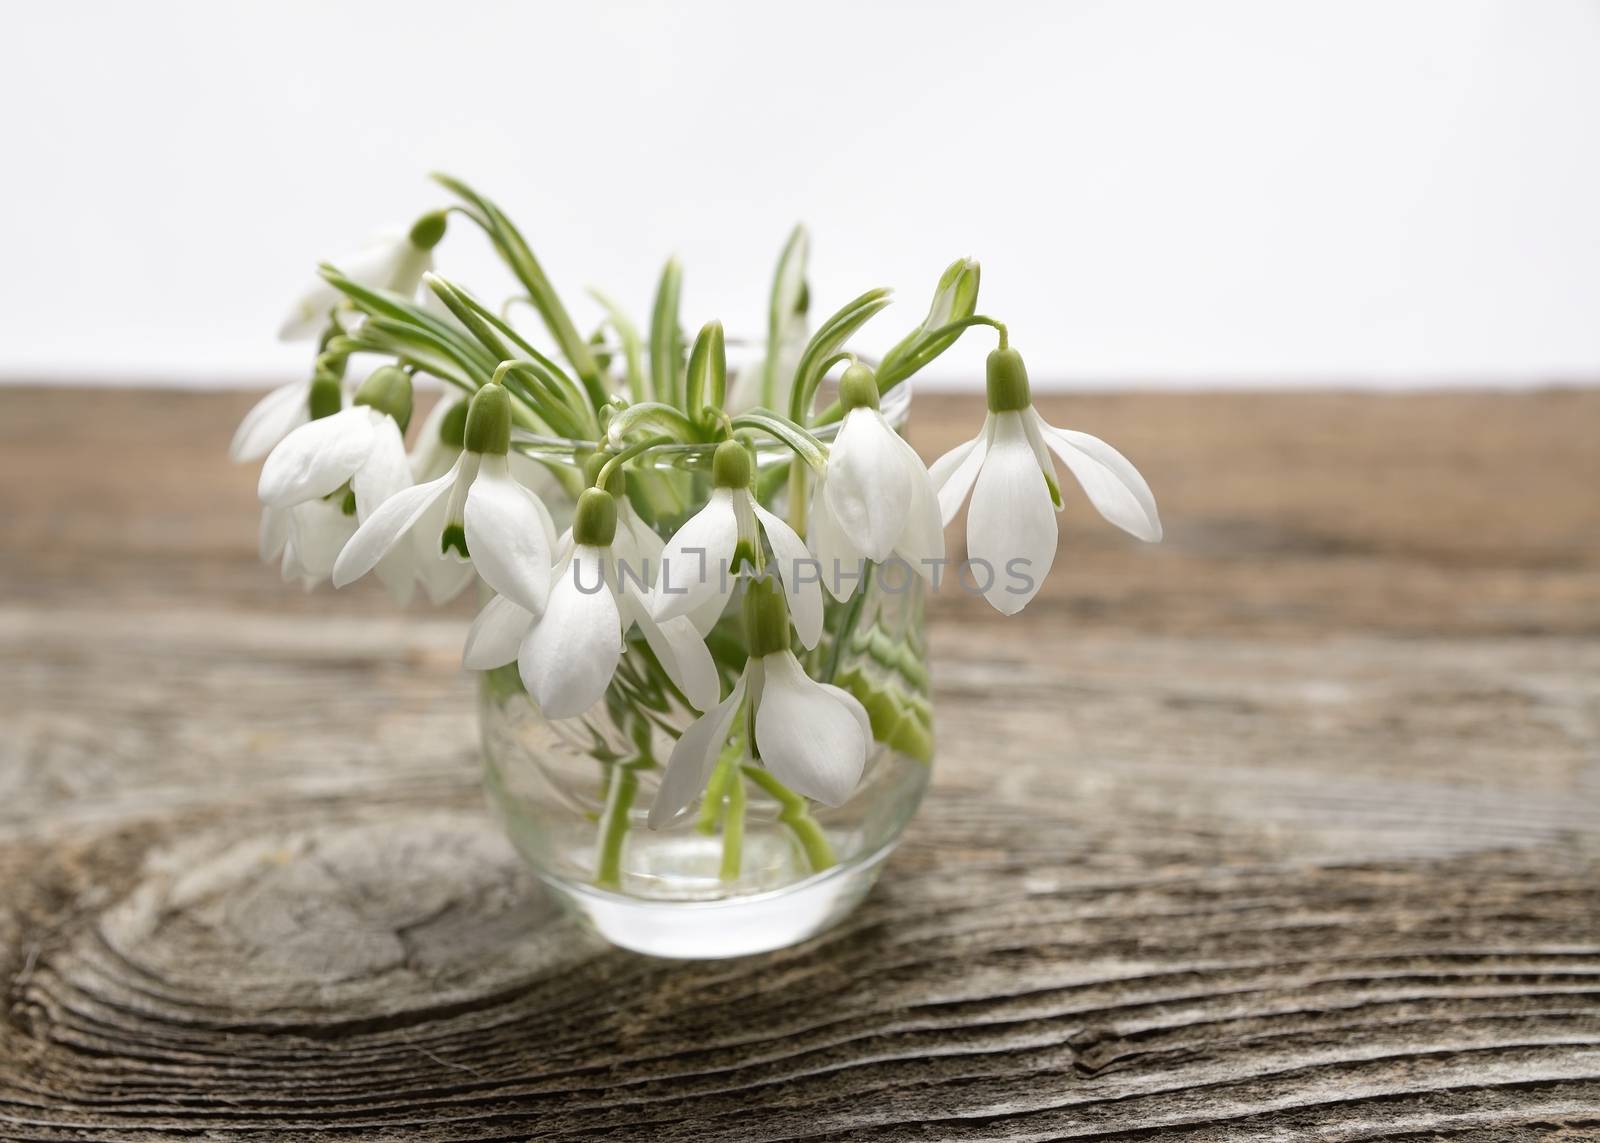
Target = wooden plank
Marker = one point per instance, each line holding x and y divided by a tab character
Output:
1283	829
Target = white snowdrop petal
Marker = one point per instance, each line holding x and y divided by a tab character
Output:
381	531
272	418
1113	485
682	653
317	457
508	537
318	532
798	572
274	533
693	757
810	741
921	542
374	265
442	575
495	635
432	457
1011	526
646	544
842	565
853	705
953	473
398	575
533	475
570	655
868	487
386	471
696	564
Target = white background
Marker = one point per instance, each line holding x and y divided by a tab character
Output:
1161	191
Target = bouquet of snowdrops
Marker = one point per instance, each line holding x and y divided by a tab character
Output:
605	551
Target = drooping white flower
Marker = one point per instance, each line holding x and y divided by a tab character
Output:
697	565
482	514
568	652
813	737
1011	524
393	262
875	500
271	419
331	473
305	539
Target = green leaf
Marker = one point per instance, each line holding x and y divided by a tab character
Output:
807	447
655	416
666	336
826	343
382	303
632	348
955	299
708	371
788	303
514	249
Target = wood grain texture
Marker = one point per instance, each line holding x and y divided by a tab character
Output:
1286	829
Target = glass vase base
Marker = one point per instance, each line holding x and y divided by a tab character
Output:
731	927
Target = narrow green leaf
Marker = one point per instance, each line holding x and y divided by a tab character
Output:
825	343
514	249
632	347
788	304
666	336
707	383
955	299
807	447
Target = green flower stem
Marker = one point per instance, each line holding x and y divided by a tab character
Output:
627	454
794	813
733	828
711	805
614	827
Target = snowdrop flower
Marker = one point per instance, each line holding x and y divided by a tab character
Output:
699	561
812	736
282	411
439	445
443	573
875	500
394	263
568	652
486	515
1011	525
334	471
306	538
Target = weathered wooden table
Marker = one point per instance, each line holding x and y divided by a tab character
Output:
1284	829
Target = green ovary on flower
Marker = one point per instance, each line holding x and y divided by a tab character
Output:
488	428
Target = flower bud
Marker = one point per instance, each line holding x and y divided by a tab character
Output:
594	522
453	428
730	466
327	396
858	388
956	296
1007	382
488	429
428	230
388	390
766	617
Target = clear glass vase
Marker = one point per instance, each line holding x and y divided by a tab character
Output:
724	879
